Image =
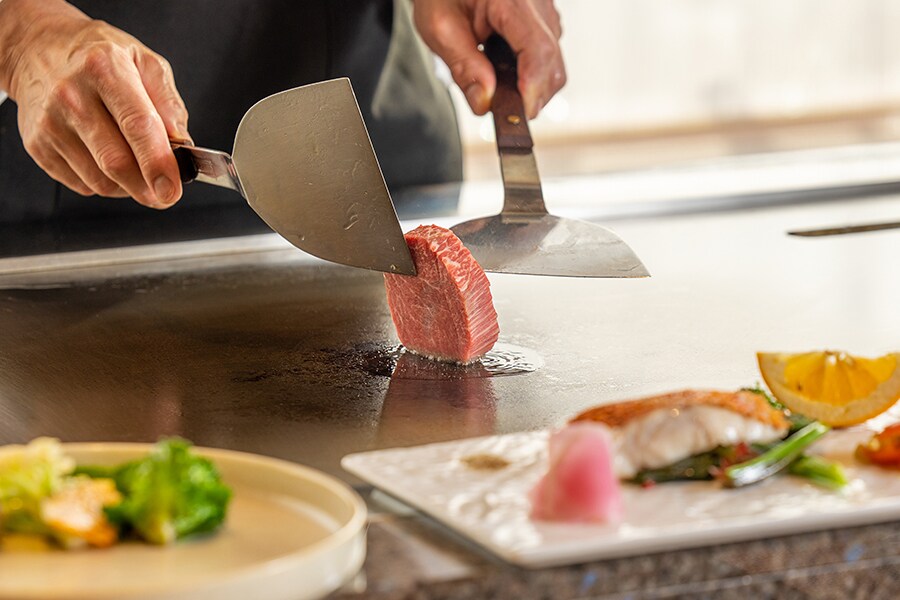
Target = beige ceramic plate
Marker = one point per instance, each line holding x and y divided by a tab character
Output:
291	532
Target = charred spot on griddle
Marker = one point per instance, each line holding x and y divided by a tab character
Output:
251	377
254	376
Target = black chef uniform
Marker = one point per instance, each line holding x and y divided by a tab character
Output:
226	55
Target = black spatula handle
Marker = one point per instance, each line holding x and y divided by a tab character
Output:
206	165
510	121
186	167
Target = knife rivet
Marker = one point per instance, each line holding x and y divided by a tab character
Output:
513	119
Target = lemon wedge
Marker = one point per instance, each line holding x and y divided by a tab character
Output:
835	388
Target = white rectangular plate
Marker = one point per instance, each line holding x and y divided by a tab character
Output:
491	507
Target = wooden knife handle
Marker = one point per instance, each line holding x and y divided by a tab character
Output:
510	122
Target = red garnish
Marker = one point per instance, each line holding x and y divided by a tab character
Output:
883	449
740	452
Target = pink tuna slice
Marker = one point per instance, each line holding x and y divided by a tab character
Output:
445	312
580	484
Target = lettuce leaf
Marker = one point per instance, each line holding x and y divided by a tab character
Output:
170	494
28	475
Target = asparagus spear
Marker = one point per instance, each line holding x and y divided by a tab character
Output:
820	471
775	459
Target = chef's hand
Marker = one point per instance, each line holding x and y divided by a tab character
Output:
96	107
454	28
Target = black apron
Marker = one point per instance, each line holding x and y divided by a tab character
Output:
226	55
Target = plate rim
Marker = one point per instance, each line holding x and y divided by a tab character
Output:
345	534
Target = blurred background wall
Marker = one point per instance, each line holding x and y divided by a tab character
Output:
653	82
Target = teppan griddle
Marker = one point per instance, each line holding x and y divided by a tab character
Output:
282	354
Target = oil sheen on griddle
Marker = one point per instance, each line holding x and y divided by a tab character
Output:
399	363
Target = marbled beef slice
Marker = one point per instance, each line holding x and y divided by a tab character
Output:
445	312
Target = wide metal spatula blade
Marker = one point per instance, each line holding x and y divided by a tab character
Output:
524	238
548	245
303	160
309	170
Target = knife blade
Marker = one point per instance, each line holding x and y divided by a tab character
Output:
845	229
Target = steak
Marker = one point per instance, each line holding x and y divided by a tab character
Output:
445	312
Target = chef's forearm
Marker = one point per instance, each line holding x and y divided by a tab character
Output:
20	22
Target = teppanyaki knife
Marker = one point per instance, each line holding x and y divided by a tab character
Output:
845	229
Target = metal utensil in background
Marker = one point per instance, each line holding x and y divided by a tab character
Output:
303	160
524	238
845	229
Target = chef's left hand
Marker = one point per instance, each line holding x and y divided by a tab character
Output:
454	28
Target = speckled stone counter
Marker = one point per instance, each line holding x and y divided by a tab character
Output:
411	556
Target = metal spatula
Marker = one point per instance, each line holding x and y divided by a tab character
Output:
524	238
303	160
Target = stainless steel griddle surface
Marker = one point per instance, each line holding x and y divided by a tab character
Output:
286	360
275	353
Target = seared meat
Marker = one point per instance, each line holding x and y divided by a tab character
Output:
445	312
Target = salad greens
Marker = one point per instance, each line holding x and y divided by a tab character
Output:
29	475
169	494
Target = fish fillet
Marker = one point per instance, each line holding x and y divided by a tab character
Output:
655	432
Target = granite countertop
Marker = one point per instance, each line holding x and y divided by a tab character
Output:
411	556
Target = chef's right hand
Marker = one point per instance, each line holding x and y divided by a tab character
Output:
453	29
96	107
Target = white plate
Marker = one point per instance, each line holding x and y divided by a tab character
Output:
491	507
291	532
